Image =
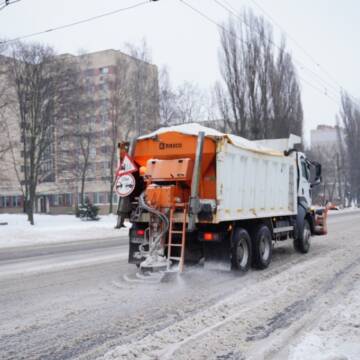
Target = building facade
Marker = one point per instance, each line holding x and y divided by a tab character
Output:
325	136
103	73
325	148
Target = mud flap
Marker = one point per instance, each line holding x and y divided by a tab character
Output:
321	220
217	255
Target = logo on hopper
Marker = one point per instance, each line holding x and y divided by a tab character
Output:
163	146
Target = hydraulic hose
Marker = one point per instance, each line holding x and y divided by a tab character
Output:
163	218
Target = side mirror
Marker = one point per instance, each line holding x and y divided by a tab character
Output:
317	179
315	183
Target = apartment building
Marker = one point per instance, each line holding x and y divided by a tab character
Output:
59	187
325	148
325	136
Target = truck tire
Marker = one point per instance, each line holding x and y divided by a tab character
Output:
262	247
302	241
240	250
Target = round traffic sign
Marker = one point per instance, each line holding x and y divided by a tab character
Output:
125	185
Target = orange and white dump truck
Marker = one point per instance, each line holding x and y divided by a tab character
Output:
200	195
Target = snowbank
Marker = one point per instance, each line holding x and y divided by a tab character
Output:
55	228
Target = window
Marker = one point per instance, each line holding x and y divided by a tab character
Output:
104	87
60	200
91	168
20	201
104	70
90	197
68	199
104	105
104	118
106	165
22	168
92	152
105	149
105	133
103	197
10	201
86	195
89	72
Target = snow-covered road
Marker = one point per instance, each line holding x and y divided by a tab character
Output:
302	307
26	260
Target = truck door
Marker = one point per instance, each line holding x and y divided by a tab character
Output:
304	192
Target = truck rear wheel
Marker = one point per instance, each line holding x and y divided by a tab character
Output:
241	250
262	247
302	242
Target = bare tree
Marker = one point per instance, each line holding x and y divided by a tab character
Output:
190	103
167	99
350	116
144	89
341	164
143	107
329	189
120	116
285	97
42	86
183	104
259	96
4	102
77	133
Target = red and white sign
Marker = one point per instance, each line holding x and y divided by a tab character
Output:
125	185
127	166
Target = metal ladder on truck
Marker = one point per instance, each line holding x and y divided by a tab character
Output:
171	244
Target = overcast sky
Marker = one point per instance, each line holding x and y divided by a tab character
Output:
188	44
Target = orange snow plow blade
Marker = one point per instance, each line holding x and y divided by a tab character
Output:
321	220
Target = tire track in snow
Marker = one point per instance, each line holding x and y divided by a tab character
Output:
167	343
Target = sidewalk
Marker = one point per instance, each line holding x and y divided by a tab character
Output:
55	228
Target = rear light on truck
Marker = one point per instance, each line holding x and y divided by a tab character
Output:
137	236
208	236
211	236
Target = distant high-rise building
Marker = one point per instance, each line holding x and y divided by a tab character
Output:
326	149
58	191
325	136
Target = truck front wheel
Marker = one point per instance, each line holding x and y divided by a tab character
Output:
262	247
241	250
302	241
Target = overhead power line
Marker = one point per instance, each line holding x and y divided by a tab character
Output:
79	22
6	3
220	26
307	53
325	84
211	20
